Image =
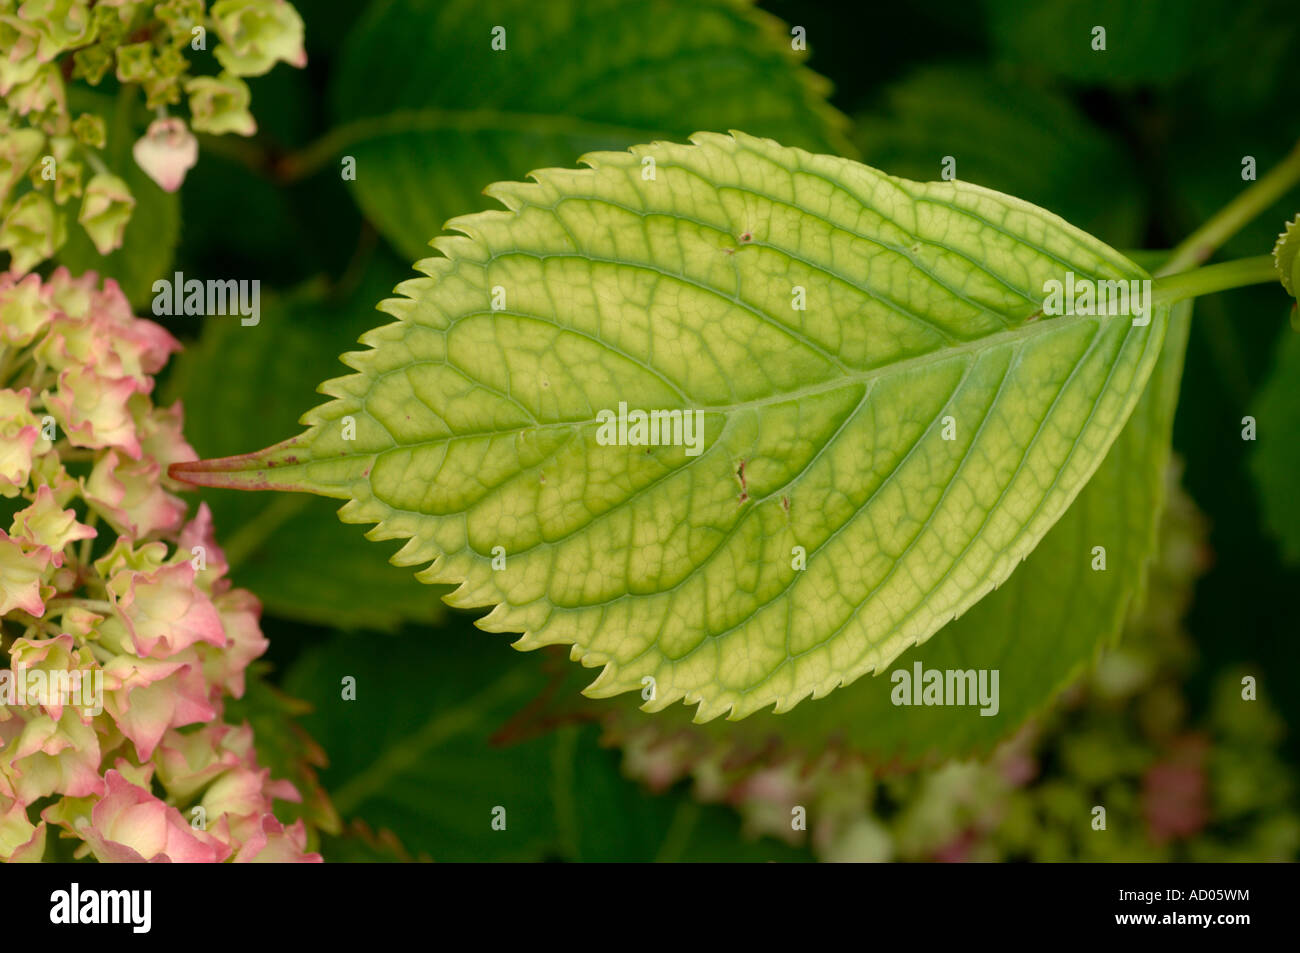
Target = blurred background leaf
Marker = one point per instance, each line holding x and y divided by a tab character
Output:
1027	141
432	113
425	751
1276	459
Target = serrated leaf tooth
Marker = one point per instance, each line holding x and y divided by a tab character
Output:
606	684
399	308
717	140
514	195
461	598
707	710
362	511
455	248
413	288
495	621
358	360
387	333
505	618
608	159
330	411
434	573
472	226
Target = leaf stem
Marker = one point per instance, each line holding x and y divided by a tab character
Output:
1234	216
1203	281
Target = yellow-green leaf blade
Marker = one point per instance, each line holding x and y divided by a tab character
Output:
915	429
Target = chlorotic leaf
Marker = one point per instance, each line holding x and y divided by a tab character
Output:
873	420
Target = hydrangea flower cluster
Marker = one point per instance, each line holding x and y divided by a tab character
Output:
143	43
119	632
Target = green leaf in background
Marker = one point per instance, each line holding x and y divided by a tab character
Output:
1276	459
423	751
155	225
1008	135
869	465
238	381
1156	41
431	112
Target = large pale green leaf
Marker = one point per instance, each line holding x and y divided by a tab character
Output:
431	111
472	432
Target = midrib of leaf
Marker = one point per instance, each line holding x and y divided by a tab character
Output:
848	379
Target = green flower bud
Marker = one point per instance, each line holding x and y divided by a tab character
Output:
164	88
181	17
62	25
105	210
220	104
134	62
41	93
92	63
32	232
90	131
67	184
255	34
19	64
170	63
110	22
18	150
161	91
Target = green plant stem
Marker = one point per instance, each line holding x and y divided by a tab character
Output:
1203	281
1234	216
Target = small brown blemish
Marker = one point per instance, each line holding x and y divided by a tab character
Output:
1034	317
745	238
728	251
785	503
